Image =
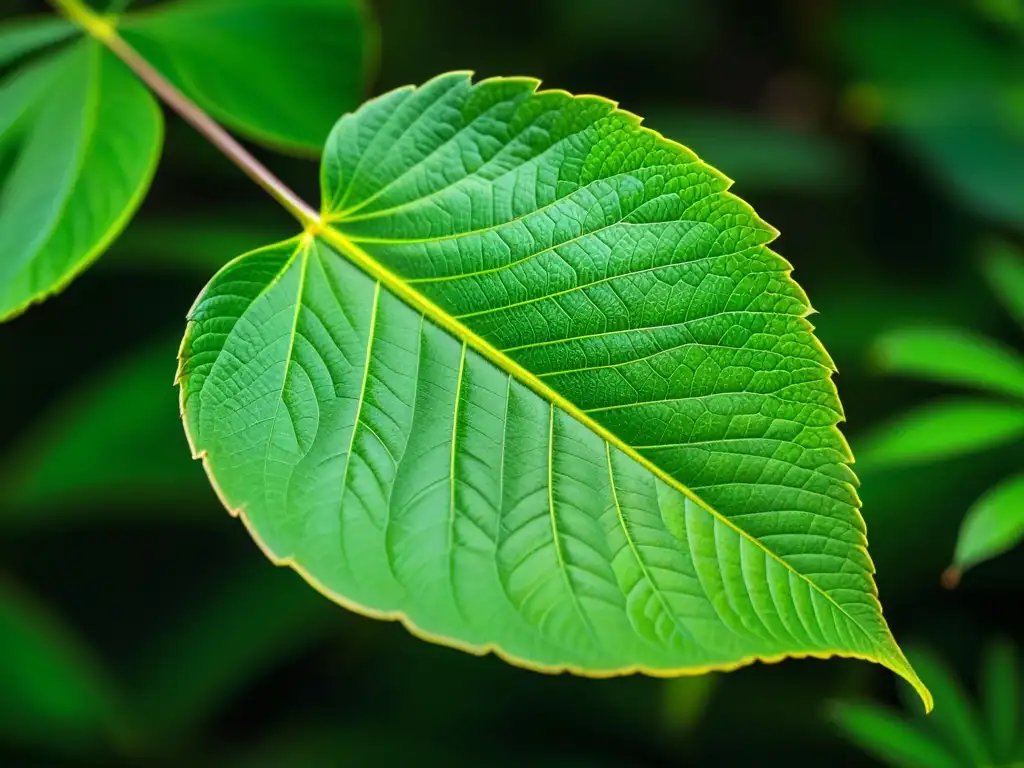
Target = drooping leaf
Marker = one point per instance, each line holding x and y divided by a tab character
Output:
1001	694
942	429
955	720
23	36
1004	268
540	388
952	356
891	738
993	525
112	448
53	693
249	63
87	136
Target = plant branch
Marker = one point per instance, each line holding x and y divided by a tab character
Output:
102	29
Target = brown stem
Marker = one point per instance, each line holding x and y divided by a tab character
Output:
103	30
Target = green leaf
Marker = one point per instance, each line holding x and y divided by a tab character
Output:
53	693
1004	268
23	36
993	525
890	738
544	391
942	429
952	356
249	63
114	444
954	719
87	136
1000	681
762	155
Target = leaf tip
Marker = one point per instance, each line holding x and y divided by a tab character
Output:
950	578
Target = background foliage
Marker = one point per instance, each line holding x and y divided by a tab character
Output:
138	623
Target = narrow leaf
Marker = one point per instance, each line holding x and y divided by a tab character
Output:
892	739
954	720
87	149
942	429
23	36
993	525
1004	268
251	62
952	356
1000	689
541	389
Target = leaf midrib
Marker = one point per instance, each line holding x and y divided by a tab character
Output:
400	288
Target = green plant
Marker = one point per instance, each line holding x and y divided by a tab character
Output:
952	427
531	381
961	735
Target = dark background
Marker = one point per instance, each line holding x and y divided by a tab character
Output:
223	658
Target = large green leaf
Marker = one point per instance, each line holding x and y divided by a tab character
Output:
250	62
544	390
993	525
23	36
86	136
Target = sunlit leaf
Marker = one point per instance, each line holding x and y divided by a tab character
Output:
86	135
993	525
23	36
954	720
892	739
112	448
942	429
52	691
1004	268
952	356
1001	693
544	390
251	62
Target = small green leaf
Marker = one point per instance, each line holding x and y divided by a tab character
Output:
87	136
53	693
892	739
1000	690
952	356
942	429
954	719
279	71
1004	268
993	525
113	446
538	387
23	36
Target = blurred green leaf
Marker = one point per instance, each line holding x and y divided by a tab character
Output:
23	36
88	139
941	429
53	693
993	525
279	71
948	92
952	356
763	156
686	699
954	720
1000	693
890	738
1004	268
117	440
250	622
